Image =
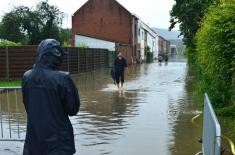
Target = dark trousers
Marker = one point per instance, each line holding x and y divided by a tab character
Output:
118	76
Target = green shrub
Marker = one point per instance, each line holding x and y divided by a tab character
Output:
66	44
83	45
9	43
149	55
216	52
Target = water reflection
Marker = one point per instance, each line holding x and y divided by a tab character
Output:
138	120
104	113
12	115
186	134
145	118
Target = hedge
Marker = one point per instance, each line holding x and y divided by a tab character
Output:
216	52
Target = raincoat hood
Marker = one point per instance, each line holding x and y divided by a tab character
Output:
49	54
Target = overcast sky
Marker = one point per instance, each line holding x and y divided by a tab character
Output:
152	12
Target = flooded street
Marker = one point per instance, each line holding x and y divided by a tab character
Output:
151	116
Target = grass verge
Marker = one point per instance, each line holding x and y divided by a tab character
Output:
10	83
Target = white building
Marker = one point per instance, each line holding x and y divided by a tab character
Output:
148	38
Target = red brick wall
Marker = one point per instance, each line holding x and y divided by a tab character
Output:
104	19
168	46
163	45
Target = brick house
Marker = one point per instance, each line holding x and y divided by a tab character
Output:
107	21
163	45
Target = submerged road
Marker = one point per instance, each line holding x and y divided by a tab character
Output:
152	116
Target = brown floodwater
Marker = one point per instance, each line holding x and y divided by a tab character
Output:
151	116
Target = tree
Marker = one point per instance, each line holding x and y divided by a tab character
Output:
31	26
1	31
12	28
51	20
65	34
189	15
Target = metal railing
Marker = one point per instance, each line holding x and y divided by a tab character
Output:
211	130
12	114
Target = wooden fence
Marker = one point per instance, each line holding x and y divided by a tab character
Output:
15	60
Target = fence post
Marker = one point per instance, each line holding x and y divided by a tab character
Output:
86	51
107	58
7	63
78	59
93	58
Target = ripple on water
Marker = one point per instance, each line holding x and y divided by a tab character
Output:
142	119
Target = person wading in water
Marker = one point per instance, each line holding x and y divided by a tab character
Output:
120	64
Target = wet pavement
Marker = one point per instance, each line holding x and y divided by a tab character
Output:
151	116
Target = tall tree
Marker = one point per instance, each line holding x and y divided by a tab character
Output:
189	14
51	20
12	28
31	26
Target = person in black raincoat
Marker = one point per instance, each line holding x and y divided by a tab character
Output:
49	97
120	64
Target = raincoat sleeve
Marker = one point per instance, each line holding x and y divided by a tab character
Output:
71	97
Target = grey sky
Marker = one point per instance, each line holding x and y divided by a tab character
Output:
153	12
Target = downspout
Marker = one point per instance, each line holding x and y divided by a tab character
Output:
133	39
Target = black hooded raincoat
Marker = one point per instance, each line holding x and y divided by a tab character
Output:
49	97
